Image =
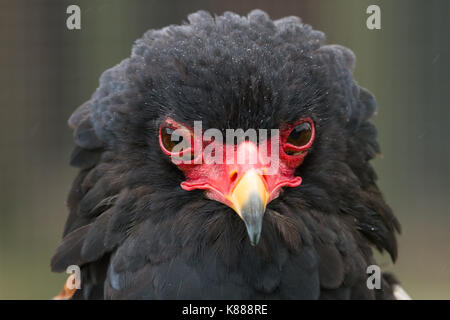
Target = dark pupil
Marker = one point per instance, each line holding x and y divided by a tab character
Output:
301	135
169	144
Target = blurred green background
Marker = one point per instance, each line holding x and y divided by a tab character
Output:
46	71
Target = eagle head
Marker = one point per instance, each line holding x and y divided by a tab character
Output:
236	142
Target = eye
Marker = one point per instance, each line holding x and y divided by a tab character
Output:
176	140
299	137
168	139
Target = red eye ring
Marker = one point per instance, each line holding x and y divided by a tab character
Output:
304	137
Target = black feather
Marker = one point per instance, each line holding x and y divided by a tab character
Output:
69	251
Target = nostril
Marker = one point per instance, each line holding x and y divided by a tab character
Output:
233	176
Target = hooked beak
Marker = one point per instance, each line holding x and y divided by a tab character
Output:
249	199
247	188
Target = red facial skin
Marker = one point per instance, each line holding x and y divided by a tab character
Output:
220	179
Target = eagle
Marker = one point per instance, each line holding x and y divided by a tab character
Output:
151	218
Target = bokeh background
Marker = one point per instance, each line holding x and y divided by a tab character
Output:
46	71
